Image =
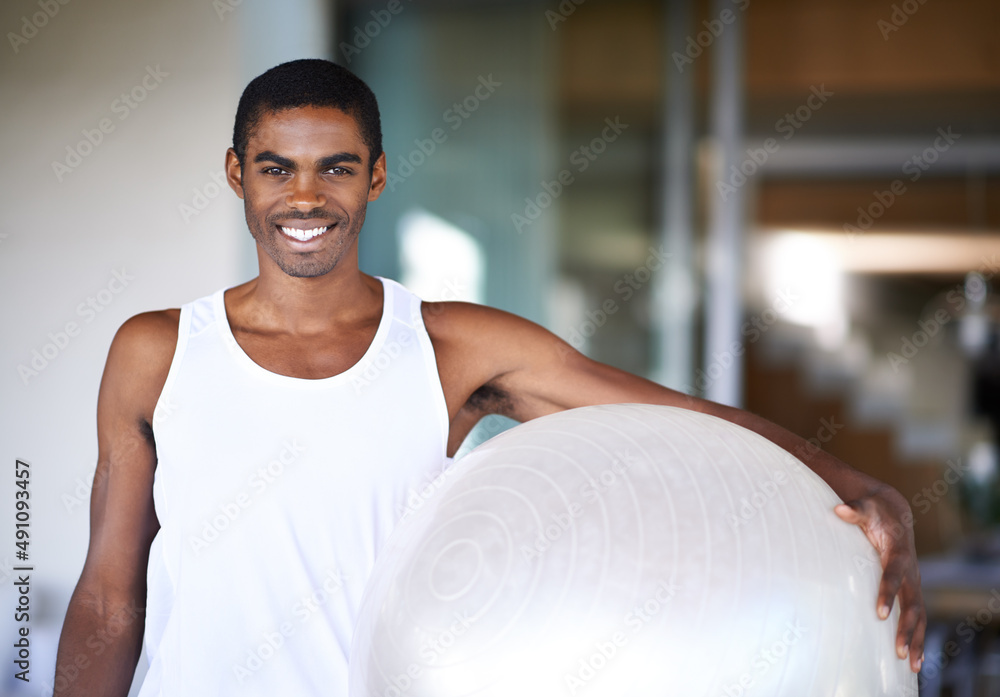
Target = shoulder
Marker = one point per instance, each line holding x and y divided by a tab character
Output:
499	341
147	335
139	360
471	323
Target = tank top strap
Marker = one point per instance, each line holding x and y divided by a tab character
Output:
203	312
405	304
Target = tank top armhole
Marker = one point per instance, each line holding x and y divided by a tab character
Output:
183	332
433	377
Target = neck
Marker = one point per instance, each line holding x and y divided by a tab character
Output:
279	302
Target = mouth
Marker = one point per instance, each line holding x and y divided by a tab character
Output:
303	234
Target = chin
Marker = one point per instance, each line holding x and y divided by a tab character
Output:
306	270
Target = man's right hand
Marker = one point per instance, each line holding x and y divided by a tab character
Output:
102	635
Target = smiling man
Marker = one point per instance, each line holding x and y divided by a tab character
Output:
246	483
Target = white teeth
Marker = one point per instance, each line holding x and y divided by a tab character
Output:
303	235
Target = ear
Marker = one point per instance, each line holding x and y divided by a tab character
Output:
378	179
234	173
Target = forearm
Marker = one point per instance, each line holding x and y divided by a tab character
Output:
848	483
99	647
582	382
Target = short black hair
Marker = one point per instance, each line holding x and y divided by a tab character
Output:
308	82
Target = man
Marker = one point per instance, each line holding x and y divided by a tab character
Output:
249	477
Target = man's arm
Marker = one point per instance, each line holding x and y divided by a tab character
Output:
524	371
102	635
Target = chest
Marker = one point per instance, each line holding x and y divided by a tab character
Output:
310	357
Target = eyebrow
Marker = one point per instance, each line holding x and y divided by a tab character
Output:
328	161
339	158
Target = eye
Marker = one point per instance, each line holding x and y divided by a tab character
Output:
273	171
339	171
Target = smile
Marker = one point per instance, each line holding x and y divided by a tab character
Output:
303	235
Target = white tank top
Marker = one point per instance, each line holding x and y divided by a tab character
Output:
274	496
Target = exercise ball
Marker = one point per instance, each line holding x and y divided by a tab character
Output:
626	550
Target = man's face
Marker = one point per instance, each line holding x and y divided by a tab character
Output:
305	187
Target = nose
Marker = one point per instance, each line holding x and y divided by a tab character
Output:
306	193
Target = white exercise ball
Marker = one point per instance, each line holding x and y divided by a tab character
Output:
627	550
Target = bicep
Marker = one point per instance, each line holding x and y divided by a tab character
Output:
533	371
545	374
122	518
555	377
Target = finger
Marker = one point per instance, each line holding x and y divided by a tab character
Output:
912	622
846	513
892	580
856	512
917	643
908	619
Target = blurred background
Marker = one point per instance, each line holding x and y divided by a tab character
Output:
793	207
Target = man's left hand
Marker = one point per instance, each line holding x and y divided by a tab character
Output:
887	521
